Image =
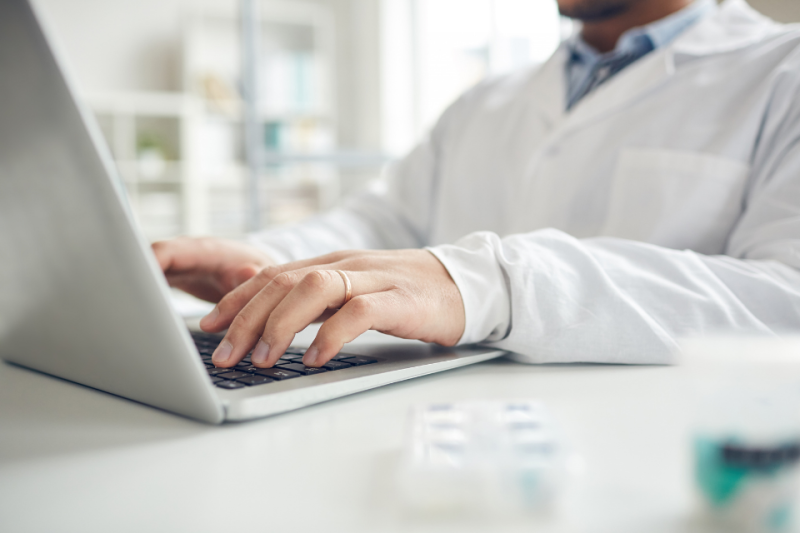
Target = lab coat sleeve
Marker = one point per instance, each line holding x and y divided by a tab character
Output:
610	300
550	297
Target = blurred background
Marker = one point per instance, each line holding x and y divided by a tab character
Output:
225	116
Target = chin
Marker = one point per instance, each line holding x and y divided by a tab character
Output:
593	10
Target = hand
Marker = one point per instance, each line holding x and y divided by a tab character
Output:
209	268
406	293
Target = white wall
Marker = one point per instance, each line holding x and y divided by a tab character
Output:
120	45
780	10
358	64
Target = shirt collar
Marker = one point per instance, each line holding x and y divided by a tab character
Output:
659	33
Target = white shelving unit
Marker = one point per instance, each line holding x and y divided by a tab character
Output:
197	182
151	136
297	113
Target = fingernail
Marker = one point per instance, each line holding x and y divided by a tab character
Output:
210	318
261	353
311	356
222	353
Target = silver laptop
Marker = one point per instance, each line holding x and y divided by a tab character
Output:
82	297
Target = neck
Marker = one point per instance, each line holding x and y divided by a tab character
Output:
603	35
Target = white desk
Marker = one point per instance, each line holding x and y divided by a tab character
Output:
73	459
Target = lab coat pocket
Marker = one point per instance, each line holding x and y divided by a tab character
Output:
681	200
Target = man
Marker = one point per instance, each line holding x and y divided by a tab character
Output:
643	184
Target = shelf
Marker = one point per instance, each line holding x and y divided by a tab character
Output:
231	110
201	183
340	159
171	174
154	104
154	184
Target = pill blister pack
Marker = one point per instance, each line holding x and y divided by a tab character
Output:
482	455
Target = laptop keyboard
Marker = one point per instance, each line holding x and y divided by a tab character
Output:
289	366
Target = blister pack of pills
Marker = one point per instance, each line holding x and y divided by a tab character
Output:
493	456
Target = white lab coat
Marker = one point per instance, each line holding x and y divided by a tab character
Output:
665	204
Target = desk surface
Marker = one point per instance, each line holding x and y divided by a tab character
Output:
73	459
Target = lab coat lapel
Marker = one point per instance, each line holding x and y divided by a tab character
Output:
549	88
734	25
637	80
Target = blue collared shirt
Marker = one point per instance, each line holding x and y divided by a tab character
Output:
587	68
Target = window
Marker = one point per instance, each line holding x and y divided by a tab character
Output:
434	50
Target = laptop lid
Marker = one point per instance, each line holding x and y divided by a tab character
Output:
81	296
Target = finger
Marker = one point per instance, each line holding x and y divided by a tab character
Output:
319	291
198	286
378	311
221	317
181	254
208	287
245	273
234	301
323	260
232	278
248	324
164	253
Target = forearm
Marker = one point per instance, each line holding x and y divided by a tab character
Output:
611	300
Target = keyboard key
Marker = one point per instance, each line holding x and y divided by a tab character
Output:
230	385
206	342
342	356
305	370
278	373
233	375
295	351
249	369
216	371
335	365
359	361
255	380
202	336
216	380
206	346
289	359
243	364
